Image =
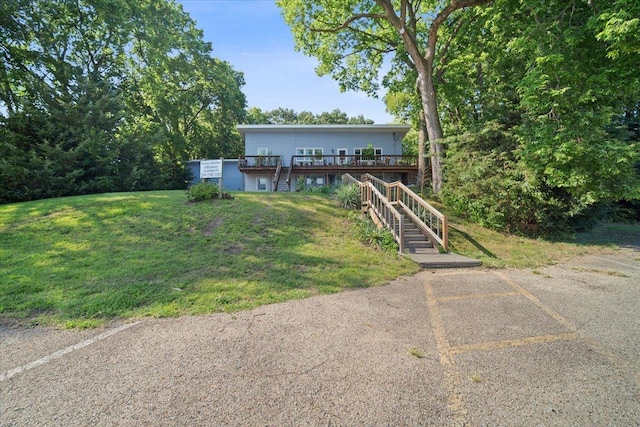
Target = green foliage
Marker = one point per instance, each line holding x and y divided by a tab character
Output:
367	232
301	183
112	103
321	189
488	184
287	116
348	196
536	141
202	191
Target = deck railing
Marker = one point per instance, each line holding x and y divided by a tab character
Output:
333	161
349	161
432	222
258	161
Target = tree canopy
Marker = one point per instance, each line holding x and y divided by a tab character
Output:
352	40
527	103
108	95
287	116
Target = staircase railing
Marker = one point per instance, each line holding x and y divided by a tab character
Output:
276	176
381	210
431	221
288	180
425	216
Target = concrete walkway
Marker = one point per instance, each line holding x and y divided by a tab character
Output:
556	346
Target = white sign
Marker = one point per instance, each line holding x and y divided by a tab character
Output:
211	168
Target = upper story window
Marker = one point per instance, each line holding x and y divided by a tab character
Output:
376	151
309	155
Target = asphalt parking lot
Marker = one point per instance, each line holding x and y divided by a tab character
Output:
555	346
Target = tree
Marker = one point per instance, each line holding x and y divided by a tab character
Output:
352	38
282	116
108	95
545	89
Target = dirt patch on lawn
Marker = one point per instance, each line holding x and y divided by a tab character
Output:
209	229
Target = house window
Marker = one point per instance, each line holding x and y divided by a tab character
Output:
365	155
376	151
262	183
309	156
314	181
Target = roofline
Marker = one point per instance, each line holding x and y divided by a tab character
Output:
393	128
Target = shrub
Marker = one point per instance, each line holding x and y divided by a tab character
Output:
202	191
486	182
301	183
348	196
367	232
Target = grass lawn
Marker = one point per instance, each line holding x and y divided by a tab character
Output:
498	250
82	261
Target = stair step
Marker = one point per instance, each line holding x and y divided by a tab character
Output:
420	251
416	245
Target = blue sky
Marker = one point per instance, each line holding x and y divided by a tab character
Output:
253	37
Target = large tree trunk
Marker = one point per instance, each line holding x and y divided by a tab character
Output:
434	129
422	139
406	24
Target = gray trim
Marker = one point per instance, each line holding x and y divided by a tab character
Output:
400	129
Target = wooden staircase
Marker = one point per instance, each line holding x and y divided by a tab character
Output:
419	228
415	240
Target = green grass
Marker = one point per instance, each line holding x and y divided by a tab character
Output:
82	261
498	250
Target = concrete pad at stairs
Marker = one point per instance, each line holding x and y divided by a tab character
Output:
438	260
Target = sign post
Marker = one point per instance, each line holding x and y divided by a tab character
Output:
212	169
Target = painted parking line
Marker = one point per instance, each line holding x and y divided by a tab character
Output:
518	342
447	352
58	354
455	400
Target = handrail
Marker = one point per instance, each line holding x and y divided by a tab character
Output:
276	176
389	216
425	216
288	181
350	179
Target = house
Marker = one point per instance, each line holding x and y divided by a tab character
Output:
232	177
287	157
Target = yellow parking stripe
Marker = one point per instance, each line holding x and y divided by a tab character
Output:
556	316
477	296
485	346
455	401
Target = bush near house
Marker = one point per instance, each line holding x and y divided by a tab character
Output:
348	196
202	191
